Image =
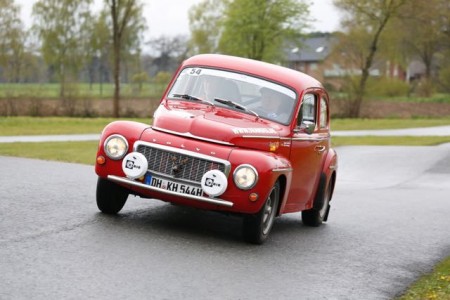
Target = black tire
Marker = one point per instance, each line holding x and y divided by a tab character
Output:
257	227
315	216
110	197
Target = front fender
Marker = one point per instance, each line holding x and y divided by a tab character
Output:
131	131
270	167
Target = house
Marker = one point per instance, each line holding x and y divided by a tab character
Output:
311	54
314	56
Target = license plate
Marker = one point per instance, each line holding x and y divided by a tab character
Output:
172	186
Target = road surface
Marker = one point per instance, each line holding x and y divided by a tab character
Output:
388	225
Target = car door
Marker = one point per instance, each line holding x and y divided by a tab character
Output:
308	147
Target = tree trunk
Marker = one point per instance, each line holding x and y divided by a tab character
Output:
116	46
116	100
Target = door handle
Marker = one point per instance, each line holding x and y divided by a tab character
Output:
320	149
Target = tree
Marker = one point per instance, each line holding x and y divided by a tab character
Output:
171	50
12	40
205	25
255	29
258	29
424	34
444	72
100	49
62	27
127	25
365	23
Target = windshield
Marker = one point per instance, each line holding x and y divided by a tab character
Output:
247	93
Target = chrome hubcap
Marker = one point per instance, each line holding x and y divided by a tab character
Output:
268	214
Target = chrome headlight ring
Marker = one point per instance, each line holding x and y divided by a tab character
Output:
245	176
116	146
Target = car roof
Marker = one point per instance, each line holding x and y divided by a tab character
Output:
276	73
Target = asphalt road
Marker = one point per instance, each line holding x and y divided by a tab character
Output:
389	224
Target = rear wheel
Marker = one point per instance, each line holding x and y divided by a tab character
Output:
257	227
319	213
110	197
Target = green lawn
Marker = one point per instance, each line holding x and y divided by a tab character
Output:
76	152
10	126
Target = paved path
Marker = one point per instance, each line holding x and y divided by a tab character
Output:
49	138
425	131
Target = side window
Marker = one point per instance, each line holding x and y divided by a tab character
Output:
307	112
323	113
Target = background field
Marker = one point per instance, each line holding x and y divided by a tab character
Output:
80	90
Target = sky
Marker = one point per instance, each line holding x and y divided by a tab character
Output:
170	17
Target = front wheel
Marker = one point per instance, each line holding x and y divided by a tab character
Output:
257	227
110	197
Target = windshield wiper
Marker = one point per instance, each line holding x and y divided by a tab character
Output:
189	97
236	105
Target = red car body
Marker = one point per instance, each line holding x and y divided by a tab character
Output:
265	166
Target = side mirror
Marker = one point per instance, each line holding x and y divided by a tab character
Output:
307	127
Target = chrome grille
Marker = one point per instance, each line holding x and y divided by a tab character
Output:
178	165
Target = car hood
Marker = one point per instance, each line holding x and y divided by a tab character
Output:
215	124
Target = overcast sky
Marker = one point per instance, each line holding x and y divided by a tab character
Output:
170	17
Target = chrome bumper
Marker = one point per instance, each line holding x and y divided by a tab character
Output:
152	188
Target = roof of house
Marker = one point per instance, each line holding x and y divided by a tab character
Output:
311	49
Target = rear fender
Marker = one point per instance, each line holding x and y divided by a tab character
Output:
330	170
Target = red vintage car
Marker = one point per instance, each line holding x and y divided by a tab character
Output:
232	135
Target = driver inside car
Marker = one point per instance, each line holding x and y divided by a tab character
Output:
271	104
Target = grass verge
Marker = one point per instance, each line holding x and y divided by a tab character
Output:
10	126
75	152
433	286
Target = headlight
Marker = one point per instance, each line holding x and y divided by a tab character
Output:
245	177
116	146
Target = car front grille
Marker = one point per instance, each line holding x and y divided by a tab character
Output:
179	164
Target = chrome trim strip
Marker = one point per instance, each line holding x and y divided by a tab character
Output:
186	152
282	170
190	135
152	188
261	137
311	138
